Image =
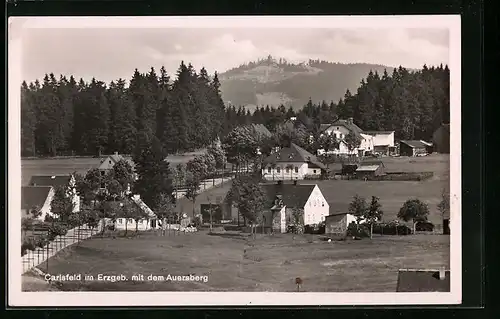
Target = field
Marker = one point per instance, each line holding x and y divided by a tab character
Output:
62	166
236	263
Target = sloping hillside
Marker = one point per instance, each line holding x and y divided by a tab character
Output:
275	82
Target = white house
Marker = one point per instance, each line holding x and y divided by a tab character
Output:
36	197
371	141
285	200
56	181
150	222
291	163
383	141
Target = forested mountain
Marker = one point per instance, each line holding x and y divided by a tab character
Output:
66	116
277	81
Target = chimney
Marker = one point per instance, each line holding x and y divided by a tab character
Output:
442	274
350	120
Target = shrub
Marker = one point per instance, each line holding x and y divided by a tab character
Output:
28	244
41	241
391	229
361	231
315	228
57	230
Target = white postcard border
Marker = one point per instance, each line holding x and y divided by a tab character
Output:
19	25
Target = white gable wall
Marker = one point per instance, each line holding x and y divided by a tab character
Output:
384	139
316	208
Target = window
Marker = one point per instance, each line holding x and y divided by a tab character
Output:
103	185
278	169
322	204
288	169
119	220
109	162
269	169
314	171
130	220
102	173
296	169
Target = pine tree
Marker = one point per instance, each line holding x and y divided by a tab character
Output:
28	120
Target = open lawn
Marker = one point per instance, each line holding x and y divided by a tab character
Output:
237	263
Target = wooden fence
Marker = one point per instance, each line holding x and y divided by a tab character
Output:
34	258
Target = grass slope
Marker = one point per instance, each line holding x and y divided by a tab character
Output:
233	264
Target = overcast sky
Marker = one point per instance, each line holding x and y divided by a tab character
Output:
109	54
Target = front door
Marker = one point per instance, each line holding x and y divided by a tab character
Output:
153	223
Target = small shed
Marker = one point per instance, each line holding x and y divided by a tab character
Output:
412	147
370	170
423	280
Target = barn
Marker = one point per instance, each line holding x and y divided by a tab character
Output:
412	147
370	170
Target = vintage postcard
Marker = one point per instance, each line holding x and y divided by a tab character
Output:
175	161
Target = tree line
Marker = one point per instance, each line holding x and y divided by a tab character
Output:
62	116
69	117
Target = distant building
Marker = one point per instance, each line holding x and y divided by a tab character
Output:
336	224
146	223
423	280
370	169
383	142
67	182
107	164
36	197
413	147
283	200
291	163
441	139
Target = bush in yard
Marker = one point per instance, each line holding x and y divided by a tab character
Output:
424	226
57	229
28	244
41	241
391	229
358	231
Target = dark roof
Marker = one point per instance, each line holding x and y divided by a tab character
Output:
414	143
345	123
32	196
377	132
47	180
292	195
294	153
422	281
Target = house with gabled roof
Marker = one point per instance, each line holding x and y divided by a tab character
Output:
291	163
371	141
67	182
36	197
107	164
283	200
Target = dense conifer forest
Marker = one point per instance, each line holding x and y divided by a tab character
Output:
67	116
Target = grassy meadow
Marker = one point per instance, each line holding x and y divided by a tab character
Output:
237	263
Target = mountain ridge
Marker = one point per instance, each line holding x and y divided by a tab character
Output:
273	82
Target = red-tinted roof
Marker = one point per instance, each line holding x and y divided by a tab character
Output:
34	196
